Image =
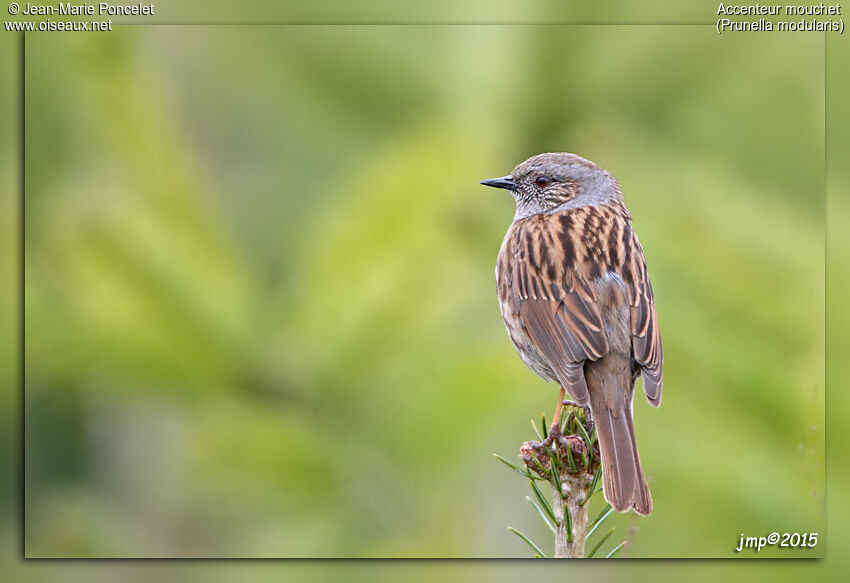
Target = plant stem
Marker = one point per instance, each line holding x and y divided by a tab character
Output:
576	490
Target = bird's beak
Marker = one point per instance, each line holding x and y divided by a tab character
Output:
503	182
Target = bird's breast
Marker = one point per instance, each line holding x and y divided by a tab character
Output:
507	264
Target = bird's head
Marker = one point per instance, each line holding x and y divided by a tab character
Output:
557	181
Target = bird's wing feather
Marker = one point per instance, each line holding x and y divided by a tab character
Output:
646	336
556	305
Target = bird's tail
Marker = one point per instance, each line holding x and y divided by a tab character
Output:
623	482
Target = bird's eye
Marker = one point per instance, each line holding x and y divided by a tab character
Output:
542	181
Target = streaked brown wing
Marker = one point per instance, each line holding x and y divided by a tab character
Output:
646	336
556	307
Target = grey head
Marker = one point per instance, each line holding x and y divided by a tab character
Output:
553	182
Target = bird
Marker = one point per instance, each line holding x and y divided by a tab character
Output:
578	305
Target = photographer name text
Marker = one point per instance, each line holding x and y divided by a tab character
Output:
99	9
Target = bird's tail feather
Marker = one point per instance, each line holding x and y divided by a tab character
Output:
623	482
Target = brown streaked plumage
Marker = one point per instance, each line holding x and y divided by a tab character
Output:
578	305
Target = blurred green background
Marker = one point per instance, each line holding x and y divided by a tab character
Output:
260	311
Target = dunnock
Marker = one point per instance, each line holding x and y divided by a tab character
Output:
578	305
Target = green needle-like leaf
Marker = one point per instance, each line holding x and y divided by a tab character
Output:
617	548
602	515
528	541
571	461
540	464
600	520
593	484
509	464
596	477
543	421
542	514
553	457
543	504
537	431
556	476
599	544
586	439
568	523
526	473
